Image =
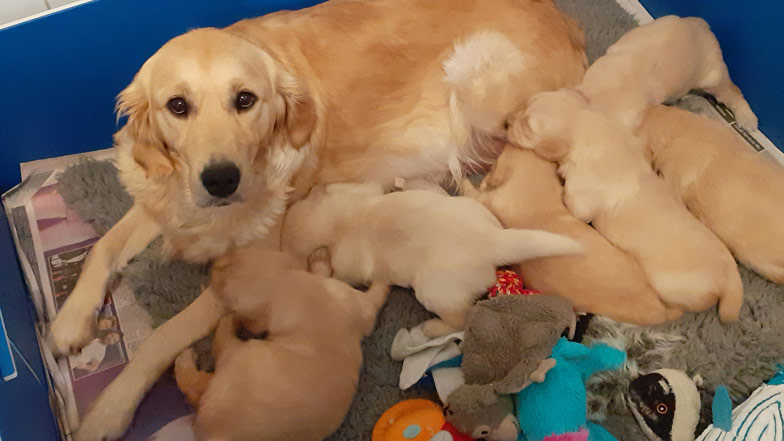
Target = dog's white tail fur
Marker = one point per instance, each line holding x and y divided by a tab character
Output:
513	245
480	69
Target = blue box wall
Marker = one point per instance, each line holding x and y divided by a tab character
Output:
59	75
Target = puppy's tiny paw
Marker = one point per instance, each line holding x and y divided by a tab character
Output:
435	328
186	360
319	262
746	119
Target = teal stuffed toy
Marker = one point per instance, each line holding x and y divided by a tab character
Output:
556	409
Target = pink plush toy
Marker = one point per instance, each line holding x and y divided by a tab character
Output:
582	435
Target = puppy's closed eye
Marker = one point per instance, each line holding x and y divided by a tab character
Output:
245	334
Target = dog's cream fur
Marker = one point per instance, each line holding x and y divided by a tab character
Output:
657	62
523	191
298	382
446	248
732	189
346	91
609	183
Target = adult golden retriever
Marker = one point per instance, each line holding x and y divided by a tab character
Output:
226	125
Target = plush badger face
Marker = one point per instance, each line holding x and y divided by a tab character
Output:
476	410
666	404
651	399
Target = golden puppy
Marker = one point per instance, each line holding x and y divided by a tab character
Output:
445	248
295	383
523	191
609	183
657	62
733	190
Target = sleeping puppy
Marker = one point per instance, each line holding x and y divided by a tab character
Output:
523	191
446	248
657	62
297	378
609	183
733	190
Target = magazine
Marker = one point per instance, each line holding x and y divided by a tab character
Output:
52	243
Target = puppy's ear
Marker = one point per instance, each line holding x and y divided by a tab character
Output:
519	131
552	149
147	150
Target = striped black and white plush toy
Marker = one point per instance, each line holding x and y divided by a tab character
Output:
666	405
759	418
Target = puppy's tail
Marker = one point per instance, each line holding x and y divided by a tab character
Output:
513	245
731	299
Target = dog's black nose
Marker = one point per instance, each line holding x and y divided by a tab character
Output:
221	180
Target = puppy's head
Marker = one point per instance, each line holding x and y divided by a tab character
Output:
242	277
217	114
546	124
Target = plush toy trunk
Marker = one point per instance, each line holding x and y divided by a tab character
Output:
60	73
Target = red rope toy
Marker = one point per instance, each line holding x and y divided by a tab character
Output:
509	283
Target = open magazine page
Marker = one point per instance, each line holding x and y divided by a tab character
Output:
53	243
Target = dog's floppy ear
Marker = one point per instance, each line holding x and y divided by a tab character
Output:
299	117
146	149
134	103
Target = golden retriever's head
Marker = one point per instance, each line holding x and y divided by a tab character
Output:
547	123
218	115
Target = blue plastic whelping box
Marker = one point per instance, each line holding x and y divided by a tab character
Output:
60	73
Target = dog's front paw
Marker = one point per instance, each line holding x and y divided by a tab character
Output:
72	328
102	426
111	413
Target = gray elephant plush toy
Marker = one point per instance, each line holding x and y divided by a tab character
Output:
507	346
508	339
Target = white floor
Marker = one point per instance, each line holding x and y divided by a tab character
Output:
13	10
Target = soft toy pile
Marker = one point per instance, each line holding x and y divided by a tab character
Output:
638	178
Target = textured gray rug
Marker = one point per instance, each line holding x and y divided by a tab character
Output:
739	356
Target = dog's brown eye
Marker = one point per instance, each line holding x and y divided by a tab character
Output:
661	408
178	106
244	100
